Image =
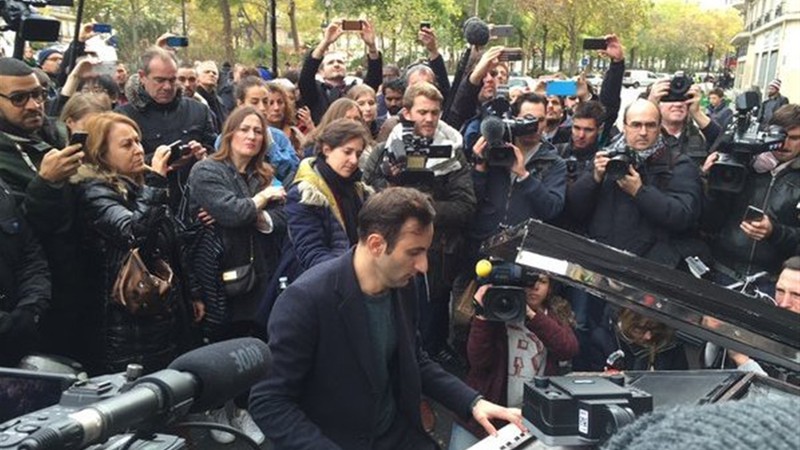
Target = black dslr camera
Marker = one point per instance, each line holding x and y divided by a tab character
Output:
679	87
29	25
620	161
505	301
741	142
406	159
499	129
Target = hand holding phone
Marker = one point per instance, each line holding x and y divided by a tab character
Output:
101	28
753	214
564	88
178	150
78	137
424	25
511	54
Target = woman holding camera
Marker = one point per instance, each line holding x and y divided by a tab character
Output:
122	207
504	355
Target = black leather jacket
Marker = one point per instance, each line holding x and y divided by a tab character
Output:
778	197
113	223
24	282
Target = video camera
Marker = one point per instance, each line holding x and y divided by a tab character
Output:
741	142
410	156
505	300
20	17
103	409
620	159
499	129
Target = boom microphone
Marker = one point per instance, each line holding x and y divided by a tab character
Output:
476	32
493	129
201	379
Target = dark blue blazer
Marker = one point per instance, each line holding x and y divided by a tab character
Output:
321	392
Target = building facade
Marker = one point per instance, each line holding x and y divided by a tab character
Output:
768	46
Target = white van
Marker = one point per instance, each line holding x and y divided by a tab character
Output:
638	78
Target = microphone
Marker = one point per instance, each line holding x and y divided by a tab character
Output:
201	379
476	32
493	130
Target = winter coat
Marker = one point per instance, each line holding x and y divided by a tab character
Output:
316	226
721	114
768	108
539	196
318	95
778	197
667	205
453	199
116	215
226	195
182	119
24	282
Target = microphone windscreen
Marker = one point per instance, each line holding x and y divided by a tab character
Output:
476	32
492	129
225	369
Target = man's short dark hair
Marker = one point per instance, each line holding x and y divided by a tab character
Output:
527	97
153	53
386	212
12	67
786	117
590	110
718	92
792	263
397	85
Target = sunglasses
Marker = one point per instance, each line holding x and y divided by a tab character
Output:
20	99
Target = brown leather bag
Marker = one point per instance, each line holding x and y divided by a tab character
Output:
138	290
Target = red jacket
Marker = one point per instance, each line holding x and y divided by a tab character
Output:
487	351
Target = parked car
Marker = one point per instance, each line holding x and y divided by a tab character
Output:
595	80
638	78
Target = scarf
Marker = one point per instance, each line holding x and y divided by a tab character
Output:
344	190
620	144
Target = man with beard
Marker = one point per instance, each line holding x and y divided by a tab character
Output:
642	207
348	371
318	95
743	247
187	78
773	102
556	130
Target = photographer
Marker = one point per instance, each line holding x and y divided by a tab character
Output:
743	245
541	341
534	185
318	95
687	130
453	200
650	196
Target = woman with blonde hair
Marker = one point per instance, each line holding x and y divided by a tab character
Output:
122	206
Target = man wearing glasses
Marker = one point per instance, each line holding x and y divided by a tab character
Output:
640	196
29	159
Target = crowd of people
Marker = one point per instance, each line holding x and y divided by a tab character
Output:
173	204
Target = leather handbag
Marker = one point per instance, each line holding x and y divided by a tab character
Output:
242	279
141	291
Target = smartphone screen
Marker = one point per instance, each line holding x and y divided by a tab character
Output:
351	25
753	214
563	88
101	28
511	54
595	44
177	41
501	31
78	137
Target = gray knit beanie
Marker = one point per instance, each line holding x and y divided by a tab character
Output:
765	422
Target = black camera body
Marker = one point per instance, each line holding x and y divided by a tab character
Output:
619	162
679	87
742	141
410	154
499	129
505	300
29	25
